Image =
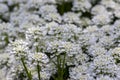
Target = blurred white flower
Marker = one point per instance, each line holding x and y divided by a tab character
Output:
108	3
40	57
53	17
19	48
81	5
71	17
115	53
105	64
46	9
102	19
3	8
98	9
102	77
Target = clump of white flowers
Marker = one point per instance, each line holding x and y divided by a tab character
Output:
19	48
40	57
105	64
71	17
3	8
81	5
60	39
116	54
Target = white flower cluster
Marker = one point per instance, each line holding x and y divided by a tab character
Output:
83	5
85	32
40	57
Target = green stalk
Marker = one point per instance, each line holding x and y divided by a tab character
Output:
38	66
26	69
63	65
60	66
63	7
38	70
60	63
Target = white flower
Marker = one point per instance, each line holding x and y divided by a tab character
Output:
115	53
35	3
3	8
85	77
80	73
39	3
80	58
117	14
107	29
95	50
98	9
70	32
50	1
102	19
71	17
117	26
8	29
117	10
107	41
102	77
91	29
85	22
61	47
103	60
40	57
16	18
63	32
34	19
36	37
46	9
34	33
4	57
105	64
19	48
83	5
24	26
108	3
12	2
2	76
53	17
19	42
45	75
79	69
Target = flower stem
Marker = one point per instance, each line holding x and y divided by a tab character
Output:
38	69
62	9
61	65
26	69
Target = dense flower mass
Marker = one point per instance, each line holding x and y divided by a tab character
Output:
60	39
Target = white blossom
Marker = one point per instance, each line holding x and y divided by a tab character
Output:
109	3
83	5
3	8
115	53
98	9
71	17
87	34
46	9
19	48
104	78
53	17
40	57
101	19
